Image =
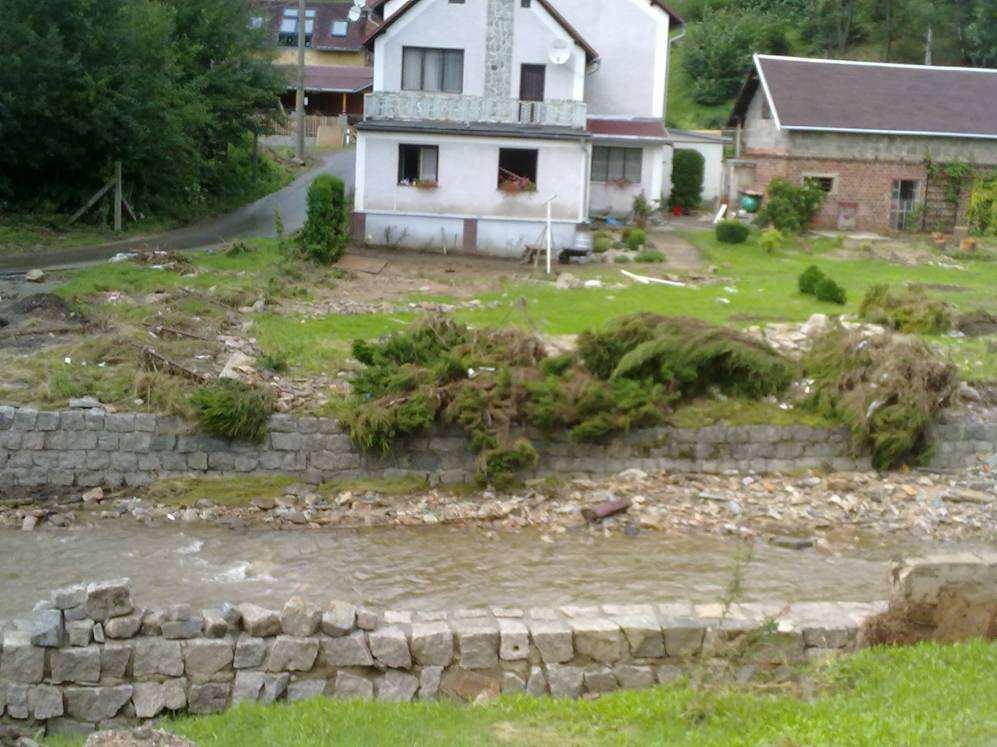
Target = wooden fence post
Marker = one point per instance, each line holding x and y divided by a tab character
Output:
117	196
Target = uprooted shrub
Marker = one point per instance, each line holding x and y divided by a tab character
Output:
685	355
492	384
909	310
887	389
233	410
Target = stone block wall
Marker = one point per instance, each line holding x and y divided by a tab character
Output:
85	448
89	658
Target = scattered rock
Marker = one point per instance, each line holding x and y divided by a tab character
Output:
34	276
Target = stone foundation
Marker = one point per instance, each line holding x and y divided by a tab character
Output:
86	448
90	658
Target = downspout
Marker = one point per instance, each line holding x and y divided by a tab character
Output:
668	65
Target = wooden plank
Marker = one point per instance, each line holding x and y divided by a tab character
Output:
90	202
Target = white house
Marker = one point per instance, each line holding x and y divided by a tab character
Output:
487	114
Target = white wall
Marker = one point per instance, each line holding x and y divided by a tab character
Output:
609	198
440	24
631	37
468	177
535	30
713	166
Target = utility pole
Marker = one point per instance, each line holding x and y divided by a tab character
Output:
299	99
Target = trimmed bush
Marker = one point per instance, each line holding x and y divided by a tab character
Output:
687	179
649	255
909	310
828	290
636	239
325	234
808	280
790	208
233	410
731	232
771	240
601	245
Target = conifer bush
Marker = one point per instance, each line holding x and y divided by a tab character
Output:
325	234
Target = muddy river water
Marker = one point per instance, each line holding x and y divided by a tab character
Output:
429	568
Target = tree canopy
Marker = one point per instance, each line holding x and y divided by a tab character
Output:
168	87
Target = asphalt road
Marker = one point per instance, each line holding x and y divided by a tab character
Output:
255	219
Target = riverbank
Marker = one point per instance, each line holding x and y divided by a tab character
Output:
812	509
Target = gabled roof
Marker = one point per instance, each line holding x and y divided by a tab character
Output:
333	78
326	12
590	54
874	97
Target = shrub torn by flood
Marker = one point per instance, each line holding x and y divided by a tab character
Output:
496	384
909	310
886	388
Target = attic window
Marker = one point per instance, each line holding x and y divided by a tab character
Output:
339	28
288	35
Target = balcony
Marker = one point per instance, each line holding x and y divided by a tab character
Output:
450	107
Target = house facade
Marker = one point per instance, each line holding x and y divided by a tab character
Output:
338	69
868	134
490	116
710	144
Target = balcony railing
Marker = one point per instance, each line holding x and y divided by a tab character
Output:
449	107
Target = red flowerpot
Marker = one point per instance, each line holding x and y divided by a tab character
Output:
676	211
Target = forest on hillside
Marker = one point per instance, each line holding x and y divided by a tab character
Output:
710	63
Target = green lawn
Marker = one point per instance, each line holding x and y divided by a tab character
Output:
764	289
924	695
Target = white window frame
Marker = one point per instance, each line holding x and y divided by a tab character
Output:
343	26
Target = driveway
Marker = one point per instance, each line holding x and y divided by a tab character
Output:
255	219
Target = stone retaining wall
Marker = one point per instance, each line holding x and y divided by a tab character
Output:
89	658
85	448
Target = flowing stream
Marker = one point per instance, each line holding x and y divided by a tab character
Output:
422	568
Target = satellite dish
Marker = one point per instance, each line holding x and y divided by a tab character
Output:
560	51
354	14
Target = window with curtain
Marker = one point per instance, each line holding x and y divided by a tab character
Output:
417	163
616	164
425	69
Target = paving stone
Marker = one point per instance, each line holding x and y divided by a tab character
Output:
643	634
249	652
154	656
259	621
210	697
554	640
291	653
350	685
683	636
114	660
204	657
514	640
125	626
45	702
68	727
599	639
339	619
368	619
565	681
469	686
182	629
347	651
247	686
215	625
600	680
432	644
429	682
300	618
305	689
79	632
96	703
76	665
512	684
19	660
634	677
149	699
667	673
396	687
477	642
107	599
70	596
45	628
536	685
16	696
390	647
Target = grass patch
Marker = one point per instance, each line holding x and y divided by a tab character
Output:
927	694
702	412
225	491
907	310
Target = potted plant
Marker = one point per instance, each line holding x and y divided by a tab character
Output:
426	184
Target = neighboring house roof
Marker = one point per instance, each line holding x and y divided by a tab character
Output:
325	14
874	97
675	18
697	136
334	78
590	54
652	130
